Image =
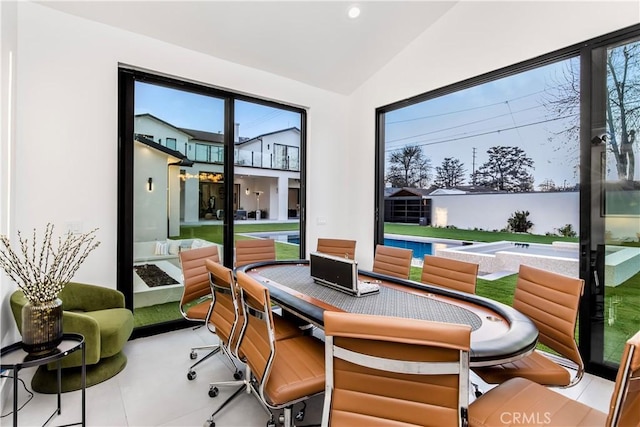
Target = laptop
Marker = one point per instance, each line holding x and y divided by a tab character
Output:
340	274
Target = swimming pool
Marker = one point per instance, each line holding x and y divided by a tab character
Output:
420	247
292	237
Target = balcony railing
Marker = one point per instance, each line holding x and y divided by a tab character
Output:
215	154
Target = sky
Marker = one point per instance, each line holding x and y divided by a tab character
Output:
508	112
193	111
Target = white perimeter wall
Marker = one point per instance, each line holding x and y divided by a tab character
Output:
547	211
65	115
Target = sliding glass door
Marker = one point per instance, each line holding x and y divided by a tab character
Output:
614	291
267	161
195	162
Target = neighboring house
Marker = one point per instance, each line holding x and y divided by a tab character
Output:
267	172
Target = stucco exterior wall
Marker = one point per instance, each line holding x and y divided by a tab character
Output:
547	211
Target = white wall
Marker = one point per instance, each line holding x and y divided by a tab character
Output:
471	39
547	211
150	211
8	48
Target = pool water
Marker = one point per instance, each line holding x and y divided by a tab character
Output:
292	237
420	248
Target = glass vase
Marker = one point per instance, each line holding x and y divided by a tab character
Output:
41	327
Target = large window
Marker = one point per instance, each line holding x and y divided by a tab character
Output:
540	156
199	167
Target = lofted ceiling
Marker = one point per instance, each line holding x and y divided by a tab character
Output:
313	42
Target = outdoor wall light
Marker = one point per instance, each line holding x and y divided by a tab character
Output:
150	184
247	191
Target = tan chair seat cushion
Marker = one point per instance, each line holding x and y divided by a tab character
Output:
298	370
200	310
535	367
530	404
284	329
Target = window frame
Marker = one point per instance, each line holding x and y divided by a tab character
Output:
590	334
127	76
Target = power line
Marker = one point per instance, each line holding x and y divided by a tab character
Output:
465	110
426	143
459	126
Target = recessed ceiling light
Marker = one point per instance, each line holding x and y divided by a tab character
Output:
354	12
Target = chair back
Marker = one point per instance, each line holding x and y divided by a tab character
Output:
257	340
551	301
254	250
392	261
196	280
224	312
395	371
624	409
450	273
337	247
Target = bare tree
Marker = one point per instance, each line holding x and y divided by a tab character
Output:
408	167
507	170
622	104
450	174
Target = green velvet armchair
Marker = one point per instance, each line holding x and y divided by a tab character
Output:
99	314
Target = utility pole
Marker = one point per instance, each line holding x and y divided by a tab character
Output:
473	173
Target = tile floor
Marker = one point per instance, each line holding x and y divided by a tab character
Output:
153	390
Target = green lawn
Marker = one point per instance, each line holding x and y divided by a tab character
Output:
471	235
622	317
213	233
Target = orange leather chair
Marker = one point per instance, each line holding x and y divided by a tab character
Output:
450	273
195	303
225	313
551	301
390	371
227	316
337	247
254	250
283	372
520	397
392	261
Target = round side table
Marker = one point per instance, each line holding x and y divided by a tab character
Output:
13	357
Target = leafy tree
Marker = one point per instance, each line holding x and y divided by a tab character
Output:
507	170
548	185
519	222
408	167
450	173
622	108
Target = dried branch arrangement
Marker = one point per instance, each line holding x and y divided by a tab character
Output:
42	269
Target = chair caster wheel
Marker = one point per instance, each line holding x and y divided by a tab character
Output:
213	392
209	423
281	418
271	423
191	375
299	416
193	355
238	375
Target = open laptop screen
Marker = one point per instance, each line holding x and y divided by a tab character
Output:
332	270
